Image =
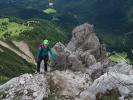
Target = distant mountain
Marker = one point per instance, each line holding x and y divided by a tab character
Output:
112	19
113	15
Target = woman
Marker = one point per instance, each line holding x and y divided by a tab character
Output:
42	54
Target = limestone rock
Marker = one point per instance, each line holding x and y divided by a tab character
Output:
95	71
25	87
84	38
122	67
75	63
68	83
110	81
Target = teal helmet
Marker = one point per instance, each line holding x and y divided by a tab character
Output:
45	42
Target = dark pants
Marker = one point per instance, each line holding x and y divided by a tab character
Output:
45	59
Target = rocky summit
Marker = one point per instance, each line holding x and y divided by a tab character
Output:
83	72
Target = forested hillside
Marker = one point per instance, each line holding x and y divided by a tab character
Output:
113	19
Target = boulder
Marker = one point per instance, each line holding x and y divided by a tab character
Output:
95	71
122	67
109	81
88	59
25	87
84	38
74	63
68	83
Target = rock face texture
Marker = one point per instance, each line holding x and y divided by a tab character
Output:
118	77
39	86
25	87
83	72
68	83
110	81
122	68
85	39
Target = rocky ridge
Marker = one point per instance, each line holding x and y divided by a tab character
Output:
83	72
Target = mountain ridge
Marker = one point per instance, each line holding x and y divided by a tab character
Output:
82	73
